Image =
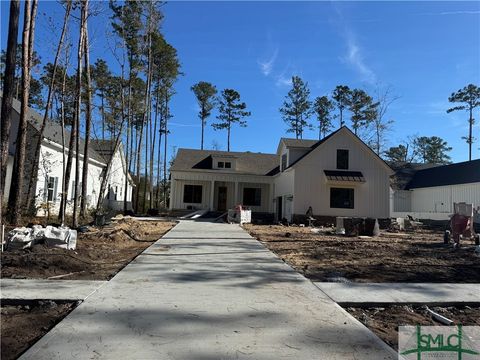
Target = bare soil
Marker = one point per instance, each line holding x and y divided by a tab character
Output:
420	256
384	321
23	325
101	252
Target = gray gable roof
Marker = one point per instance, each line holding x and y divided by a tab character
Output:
246	162
460	173
53	131
300	143
104	148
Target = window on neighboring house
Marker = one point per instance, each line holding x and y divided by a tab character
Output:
116	192
51	189
341	198
252	196
342	159
192	194
228	165
284	162
72	193
221	164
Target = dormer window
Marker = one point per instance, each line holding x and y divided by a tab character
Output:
228	165
221	165
284	162
342	159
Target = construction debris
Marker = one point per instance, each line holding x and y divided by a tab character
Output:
23	238
239	215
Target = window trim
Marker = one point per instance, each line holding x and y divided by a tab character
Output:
351	199
283	162
343	166
194	194
257	197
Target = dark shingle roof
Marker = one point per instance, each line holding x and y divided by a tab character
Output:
453	174
53	130
247	162
404	173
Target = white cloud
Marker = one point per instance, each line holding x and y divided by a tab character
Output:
266	66
283	80
460	12
355	58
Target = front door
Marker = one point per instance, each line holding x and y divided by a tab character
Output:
222	198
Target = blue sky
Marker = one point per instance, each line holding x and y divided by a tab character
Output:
422	50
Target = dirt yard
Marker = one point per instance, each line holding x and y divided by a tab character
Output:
100	253
391	257
23	325
384	321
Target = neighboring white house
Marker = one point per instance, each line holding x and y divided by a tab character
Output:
337	176
51	166
429	191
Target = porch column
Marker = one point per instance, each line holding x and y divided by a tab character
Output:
212	193
235	196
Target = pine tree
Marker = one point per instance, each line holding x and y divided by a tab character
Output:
363	109
341	96
8	91
231	111
205	94
470	97
323	108
15	196
297	108
432	150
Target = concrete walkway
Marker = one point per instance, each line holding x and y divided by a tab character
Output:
209	291
32	289
354	293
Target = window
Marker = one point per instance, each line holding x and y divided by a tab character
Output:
72	196
221	164
252	196
284	162
51	189
342	159
341	198
192	194
228	165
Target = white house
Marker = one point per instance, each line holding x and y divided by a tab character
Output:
51	166
337	176
429	191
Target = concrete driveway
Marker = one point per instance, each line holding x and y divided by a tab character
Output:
209	291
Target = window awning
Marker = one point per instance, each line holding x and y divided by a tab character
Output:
351	176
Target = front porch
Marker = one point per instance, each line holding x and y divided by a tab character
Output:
221	195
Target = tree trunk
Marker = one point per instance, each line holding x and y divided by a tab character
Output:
165	131
78	110
8	89
470	139
152	150
62	119
228	137
203	126
88	119
15	198
51	90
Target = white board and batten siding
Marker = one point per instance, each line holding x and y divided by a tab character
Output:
311	187
51	166
214	179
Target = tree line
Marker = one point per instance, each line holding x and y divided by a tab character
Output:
129	105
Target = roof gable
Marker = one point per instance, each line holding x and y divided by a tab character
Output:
354	137
246	162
